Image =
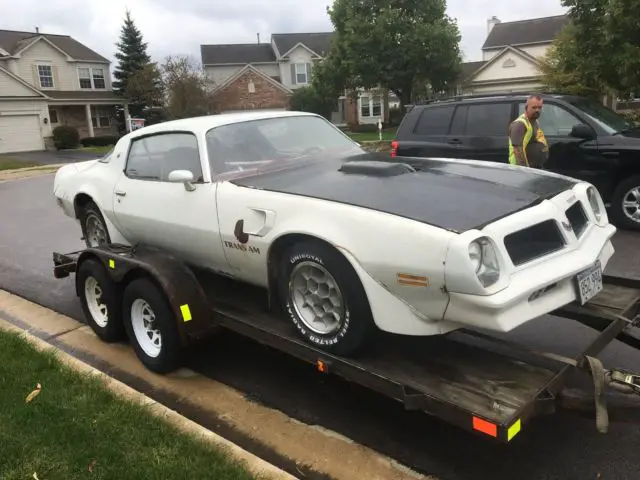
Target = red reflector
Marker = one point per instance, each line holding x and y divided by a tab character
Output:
485	427
394	148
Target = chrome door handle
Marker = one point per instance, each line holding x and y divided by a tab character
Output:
120	193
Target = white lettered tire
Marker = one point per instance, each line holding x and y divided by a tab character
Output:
324	298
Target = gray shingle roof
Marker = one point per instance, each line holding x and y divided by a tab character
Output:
525	31
81	95
237	53
12	41
319	42
468	68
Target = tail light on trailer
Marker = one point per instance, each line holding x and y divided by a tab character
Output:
394	148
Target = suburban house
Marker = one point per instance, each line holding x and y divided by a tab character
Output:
510	56
264	75
48	80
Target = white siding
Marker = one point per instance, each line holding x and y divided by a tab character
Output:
504	87
220	73
299	55
508	66
10	87
64	73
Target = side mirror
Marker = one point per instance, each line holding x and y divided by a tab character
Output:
183	176
583	131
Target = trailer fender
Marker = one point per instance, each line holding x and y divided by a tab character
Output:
193	311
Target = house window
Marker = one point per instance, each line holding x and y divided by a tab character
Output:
365	108
301	73
98	78
84	74
53	115
45	73
100	117
91	78
376	106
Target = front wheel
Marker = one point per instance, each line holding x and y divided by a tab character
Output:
625	204
324	298
151	326
94	227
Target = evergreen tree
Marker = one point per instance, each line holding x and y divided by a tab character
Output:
131	55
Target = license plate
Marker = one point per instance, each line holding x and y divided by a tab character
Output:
589	283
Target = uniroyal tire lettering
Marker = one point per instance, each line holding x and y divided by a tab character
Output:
305	256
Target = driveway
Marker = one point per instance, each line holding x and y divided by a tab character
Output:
562	446
48	158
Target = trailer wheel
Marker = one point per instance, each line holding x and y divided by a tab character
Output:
151	326
100	301
324	298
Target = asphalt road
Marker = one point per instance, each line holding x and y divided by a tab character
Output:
562	446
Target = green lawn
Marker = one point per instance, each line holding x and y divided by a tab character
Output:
98	150
372	136
8	163
75	428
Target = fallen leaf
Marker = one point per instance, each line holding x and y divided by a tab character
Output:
92	464
33	395
35	475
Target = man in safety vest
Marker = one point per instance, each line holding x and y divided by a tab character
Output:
527	145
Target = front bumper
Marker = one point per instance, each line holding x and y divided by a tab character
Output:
513	306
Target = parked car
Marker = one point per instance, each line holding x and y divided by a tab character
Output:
345	240
587	141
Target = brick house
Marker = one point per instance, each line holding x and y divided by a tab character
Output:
264	75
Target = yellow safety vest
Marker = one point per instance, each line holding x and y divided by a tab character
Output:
525	141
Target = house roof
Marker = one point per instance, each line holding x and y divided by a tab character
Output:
524	32
79	95
275	81
468	68
237	53
13	41
319	42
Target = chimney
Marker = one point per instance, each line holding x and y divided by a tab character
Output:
492	22
258	34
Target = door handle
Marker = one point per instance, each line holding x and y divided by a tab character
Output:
454	141
121	193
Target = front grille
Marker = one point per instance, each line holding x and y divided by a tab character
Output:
534	242
577	218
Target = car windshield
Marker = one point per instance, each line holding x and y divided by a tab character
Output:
609	120
259	144
106	157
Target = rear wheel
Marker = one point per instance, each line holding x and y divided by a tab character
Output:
100	301
324	298
151	326
94	227
625	204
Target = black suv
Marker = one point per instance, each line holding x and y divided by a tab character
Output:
587	141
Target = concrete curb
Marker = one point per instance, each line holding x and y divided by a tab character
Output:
257	466
29	172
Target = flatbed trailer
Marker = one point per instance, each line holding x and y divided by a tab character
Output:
479	382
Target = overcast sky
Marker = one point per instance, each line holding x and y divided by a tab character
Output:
170	27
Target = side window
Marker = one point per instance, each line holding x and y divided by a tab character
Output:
459	123
555	121
155	156
489	119
434	121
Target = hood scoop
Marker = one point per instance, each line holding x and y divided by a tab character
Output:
375	168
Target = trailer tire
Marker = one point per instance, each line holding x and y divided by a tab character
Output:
151	326
335	290
100	301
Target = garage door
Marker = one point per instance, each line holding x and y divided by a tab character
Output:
20	133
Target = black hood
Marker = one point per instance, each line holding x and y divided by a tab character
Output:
446	194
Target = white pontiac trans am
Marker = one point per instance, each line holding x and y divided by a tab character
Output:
349	240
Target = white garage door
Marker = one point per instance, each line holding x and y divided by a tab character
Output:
20	133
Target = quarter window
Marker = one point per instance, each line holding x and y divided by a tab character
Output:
434	121
155	156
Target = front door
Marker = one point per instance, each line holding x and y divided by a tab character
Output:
151	210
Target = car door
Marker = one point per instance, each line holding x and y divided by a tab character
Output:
430	135
571	156
154	211
483	131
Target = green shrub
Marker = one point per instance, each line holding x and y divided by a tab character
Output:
65	136
101	141
631	115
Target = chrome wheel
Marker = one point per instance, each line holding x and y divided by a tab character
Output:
143	323
631	204
316	298
97	308
96	231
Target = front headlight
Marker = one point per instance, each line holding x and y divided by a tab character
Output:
484	261
594	201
